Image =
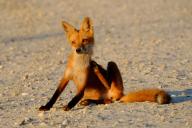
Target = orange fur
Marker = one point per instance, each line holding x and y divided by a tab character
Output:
152	95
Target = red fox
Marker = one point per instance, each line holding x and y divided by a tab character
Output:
94	83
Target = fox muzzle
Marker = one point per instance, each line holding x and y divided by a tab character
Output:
81	50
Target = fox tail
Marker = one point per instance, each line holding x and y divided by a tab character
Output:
153	95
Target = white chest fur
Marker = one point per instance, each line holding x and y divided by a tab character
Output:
81	62
80	67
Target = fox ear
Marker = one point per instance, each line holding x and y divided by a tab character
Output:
67	27
87	24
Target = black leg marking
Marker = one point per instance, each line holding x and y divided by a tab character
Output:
51	101
74	101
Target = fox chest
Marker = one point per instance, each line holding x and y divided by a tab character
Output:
79	76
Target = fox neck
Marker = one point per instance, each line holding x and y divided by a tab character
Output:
81	61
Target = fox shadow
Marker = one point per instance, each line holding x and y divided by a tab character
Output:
181	96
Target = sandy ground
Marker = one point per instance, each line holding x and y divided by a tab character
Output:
150	40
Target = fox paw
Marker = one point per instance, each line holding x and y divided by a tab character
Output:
66	108
107	101
84	103
93	64
44	108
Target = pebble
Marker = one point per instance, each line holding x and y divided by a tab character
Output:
120	120
85	110
26	77
147	70
12	71
184	61
173	95
65	122
53	110
41	115
162	118
61	62
24	94
40	68
26	121
1	66
43	124
172	114
141	66
115	124
187	124
160	86
183	94
162	67
15	93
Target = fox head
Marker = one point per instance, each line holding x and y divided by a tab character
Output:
81	40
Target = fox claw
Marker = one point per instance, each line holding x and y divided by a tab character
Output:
44	108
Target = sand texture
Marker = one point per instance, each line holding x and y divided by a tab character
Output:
150	40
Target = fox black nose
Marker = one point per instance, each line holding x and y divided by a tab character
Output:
78	50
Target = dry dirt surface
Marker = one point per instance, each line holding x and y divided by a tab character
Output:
151	41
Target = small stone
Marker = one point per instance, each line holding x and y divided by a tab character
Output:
24	94
51	123
32	99
173	95
184	61
41	115
162	118
133	78
187	123
141	66
65	122
16	123
12	71
26	77
43	124
16	92
172	114
1	66
26	121
162	67
40	68
53	110
115	124
183	94
62	62
147	70
120	120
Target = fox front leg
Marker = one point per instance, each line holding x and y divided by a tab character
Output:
74	101
80	80
57	93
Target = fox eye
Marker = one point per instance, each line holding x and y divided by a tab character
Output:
85	40
73	42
